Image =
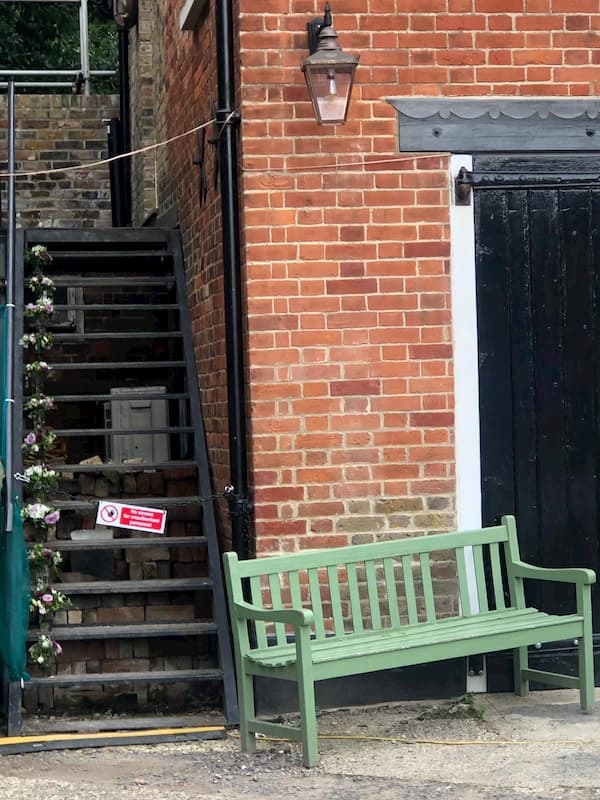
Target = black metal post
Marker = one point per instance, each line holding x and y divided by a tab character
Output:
124	164
9	402
227	124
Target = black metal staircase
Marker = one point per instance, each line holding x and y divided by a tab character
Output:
148	611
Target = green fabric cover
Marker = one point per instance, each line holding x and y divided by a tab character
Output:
14	600
14	566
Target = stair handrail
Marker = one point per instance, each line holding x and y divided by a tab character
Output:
8	399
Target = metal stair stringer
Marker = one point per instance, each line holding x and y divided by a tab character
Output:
221	616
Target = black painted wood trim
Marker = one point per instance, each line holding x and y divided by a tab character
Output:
488	125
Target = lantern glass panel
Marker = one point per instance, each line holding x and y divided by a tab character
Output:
330	91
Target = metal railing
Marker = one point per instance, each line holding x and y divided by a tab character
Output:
80	76
8	409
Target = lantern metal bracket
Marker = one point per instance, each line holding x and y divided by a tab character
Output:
315	26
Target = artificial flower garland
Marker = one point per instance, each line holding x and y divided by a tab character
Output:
40	479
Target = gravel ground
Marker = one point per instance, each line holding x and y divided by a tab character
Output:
404	751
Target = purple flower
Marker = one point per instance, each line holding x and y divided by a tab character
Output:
57	648
52	518
30	438
46	552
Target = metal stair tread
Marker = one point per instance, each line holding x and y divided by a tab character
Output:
96	237
139	630
121	723
116	307
151	676
119	431
135	587
132	543
75	336
111	467
99	365
73	505
132	395
84	255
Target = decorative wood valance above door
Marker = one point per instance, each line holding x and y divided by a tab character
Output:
497	124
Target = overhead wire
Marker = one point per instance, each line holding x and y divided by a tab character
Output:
364	160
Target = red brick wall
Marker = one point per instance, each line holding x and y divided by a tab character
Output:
348	266
180	67
347	252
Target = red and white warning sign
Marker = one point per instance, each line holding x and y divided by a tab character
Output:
137	518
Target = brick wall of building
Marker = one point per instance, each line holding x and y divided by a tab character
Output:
150	170
54	131
176	91
347	248
348	257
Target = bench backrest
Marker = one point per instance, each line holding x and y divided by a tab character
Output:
383	584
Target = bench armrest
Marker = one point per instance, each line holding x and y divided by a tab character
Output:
302	617
576	575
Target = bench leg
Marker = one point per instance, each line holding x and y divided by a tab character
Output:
247	711
308	721
520	662
586	674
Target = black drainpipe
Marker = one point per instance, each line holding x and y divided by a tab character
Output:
227	125
125	116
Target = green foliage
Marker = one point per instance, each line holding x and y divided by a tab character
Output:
36	36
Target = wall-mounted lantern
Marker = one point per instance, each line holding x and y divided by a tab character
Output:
329	72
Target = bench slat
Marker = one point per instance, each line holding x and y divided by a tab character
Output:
260	628
409	590
373	594
295	590
354	592
275	589
316	602
463	584
336	600
427	587
497	576
307	559
480	578
442	632
391	592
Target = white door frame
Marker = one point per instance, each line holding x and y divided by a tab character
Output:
466	376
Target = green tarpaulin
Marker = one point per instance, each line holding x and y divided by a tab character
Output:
14	567
14	601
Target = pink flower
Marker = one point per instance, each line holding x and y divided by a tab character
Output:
47	598
52	518
57	648
30	438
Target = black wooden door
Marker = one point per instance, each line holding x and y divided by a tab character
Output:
537	229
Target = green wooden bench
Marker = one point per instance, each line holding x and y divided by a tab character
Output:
320	614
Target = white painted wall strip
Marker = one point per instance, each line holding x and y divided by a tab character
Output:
466	379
